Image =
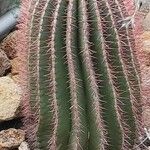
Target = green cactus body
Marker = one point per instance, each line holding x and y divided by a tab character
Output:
79	134
117	77
128	57
97	135
33	72
110	98
83	81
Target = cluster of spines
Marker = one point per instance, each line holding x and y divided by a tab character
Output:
84	87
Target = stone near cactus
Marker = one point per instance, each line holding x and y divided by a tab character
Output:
5	64
8	45
15	69
146	41
1	148
15	66
11	138
146	22
24	146
10	96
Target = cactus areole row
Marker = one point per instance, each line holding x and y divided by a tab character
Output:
83	78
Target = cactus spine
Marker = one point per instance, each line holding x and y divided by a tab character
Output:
84	85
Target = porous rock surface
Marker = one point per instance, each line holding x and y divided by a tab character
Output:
15	67
11	138
8	45
10	97
5	64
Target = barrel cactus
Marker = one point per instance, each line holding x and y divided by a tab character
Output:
82	76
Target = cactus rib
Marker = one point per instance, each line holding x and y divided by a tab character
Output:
59	85
129	62
97	126
45	124
107	76
34	71
78	133
54	98
120	83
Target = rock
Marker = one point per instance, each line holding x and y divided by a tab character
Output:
24	146
146	22
144	5
146	46
10	97
5	64
8	45
15	71
1	148
11	138
15	67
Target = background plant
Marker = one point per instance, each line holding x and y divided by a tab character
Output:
6	5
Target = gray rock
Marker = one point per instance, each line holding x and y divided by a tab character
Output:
11	138
5	64
10	97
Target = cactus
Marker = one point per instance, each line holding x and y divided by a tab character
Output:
83	78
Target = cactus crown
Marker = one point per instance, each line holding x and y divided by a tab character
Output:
84	85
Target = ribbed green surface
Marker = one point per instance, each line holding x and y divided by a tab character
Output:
45	123
105	86
118	77
81	85
61	75
96	135
79	132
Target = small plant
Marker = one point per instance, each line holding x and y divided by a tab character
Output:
9	14
6	5
83	78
